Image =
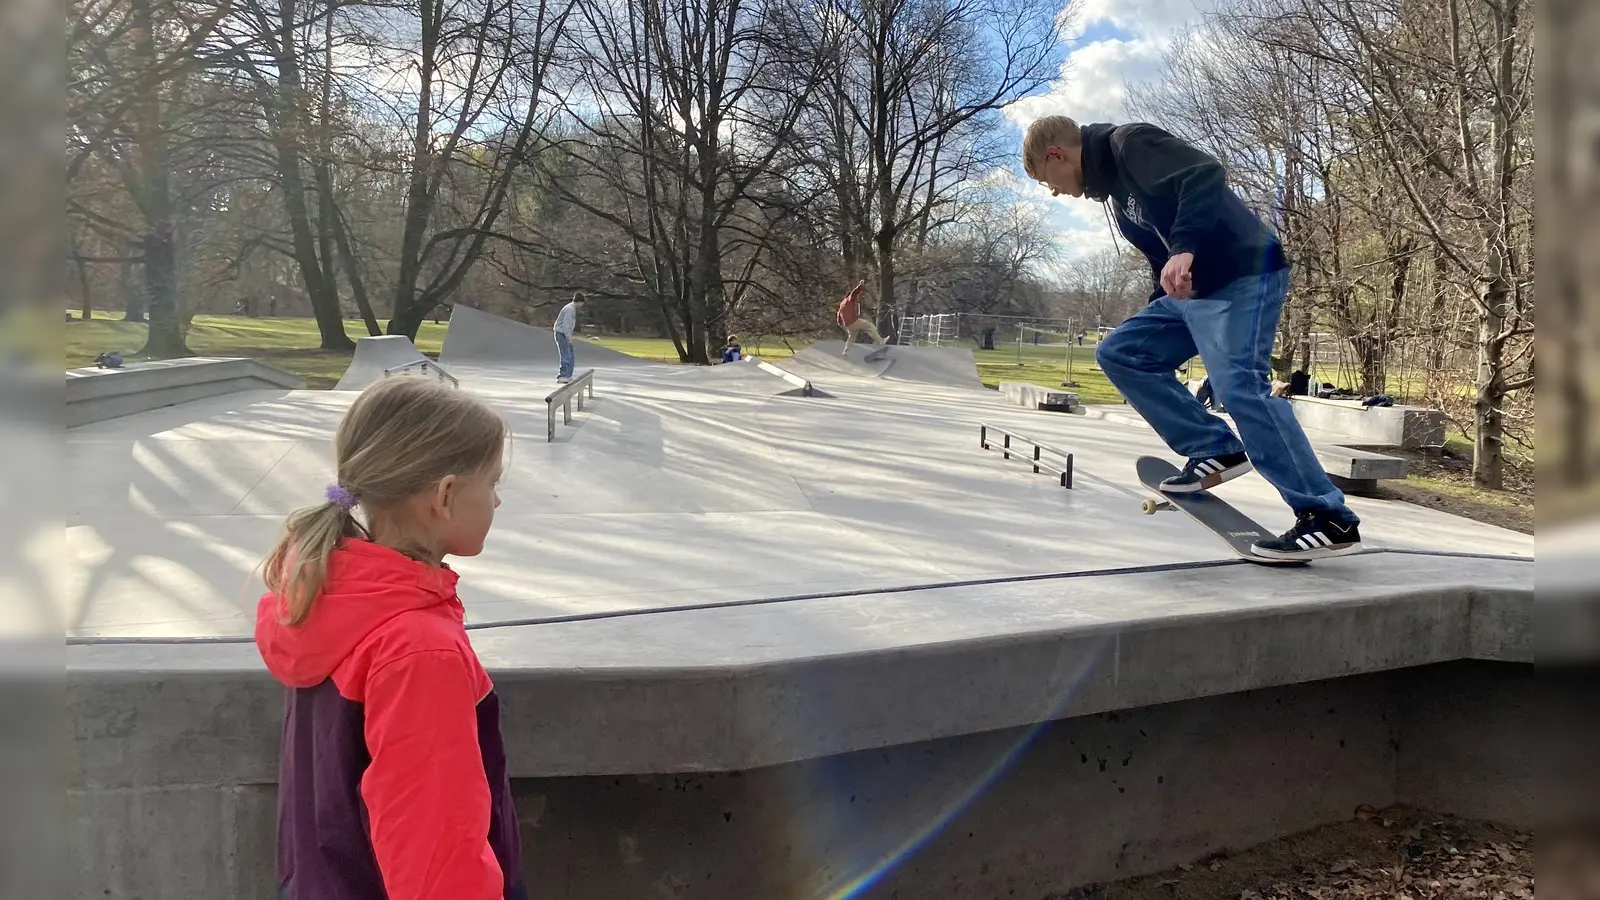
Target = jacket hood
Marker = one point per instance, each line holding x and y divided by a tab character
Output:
367	585
1099	165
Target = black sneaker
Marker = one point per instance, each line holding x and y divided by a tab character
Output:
1206	472
1314	536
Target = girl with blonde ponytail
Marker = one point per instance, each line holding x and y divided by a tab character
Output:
392	779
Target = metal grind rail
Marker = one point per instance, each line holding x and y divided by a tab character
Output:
563	397
1059	465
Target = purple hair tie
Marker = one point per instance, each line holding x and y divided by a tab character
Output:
340	496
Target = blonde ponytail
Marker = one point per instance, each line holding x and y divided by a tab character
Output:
298	567
400	437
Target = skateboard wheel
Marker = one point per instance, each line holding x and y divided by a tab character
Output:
1149	507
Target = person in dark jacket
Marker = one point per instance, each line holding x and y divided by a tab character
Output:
392	777
1220	278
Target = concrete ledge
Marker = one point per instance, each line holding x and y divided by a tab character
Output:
690	691
93	395
1406	427
1358	465
1033	396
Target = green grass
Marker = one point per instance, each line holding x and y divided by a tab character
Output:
287	343
1047	367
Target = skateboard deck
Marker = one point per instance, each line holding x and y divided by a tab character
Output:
1236	529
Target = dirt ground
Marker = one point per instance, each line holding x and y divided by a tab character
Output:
1443	481
1394	854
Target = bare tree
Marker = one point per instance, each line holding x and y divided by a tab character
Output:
482	69
915	87
1106	286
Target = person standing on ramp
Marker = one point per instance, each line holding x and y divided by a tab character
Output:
850	319
566	323
1220	281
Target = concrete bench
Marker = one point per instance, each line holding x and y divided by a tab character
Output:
1358	470
96	394
1406	427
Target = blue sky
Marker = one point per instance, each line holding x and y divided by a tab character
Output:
1115	44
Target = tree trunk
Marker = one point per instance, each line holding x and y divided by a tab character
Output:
165	337
289	137
87	309
1370	353
134	299
347	256
1488	457
332	223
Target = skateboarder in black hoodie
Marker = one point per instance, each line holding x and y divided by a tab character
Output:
1220	280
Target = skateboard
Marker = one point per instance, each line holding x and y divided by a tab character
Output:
1235	528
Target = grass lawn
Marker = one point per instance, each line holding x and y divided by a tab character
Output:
1443	481
288	344
1046	366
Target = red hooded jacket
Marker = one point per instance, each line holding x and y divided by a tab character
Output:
849	309
392	783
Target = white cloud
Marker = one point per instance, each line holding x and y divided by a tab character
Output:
1121	44
1096	82
1158	19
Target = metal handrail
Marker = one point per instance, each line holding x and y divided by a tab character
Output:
562	397
1062	469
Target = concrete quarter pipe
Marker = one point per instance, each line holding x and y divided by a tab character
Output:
475	336
950	366
374	355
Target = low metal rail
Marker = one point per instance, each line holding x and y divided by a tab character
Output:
1060	465
423	367
563	397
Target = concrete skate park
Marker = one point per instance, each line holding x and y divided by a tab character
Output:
783	629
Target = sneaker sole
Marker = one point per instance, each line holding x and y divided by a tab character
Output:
1319	553
1209	481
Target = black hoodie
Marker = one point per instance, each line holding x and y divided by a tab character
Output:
1169	197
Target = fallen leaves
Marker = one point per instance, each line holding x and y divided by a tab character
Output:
1429	863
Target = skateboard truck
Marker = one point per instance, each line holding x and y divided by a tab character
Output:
1151	507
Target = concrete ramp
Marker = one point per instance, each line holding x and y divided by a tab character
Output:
950	366
373	356
474	337
861	361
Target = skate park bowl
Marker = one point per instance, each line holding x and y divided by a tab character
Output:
751	644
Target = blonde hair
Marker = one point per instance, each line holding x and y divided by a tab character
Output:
1044	133
400	437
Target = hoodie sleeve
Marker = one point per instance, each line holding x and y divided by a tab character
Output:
426	794
1164	166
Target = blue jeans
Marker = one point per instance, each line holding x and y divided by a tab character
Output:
1233	331
564	344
